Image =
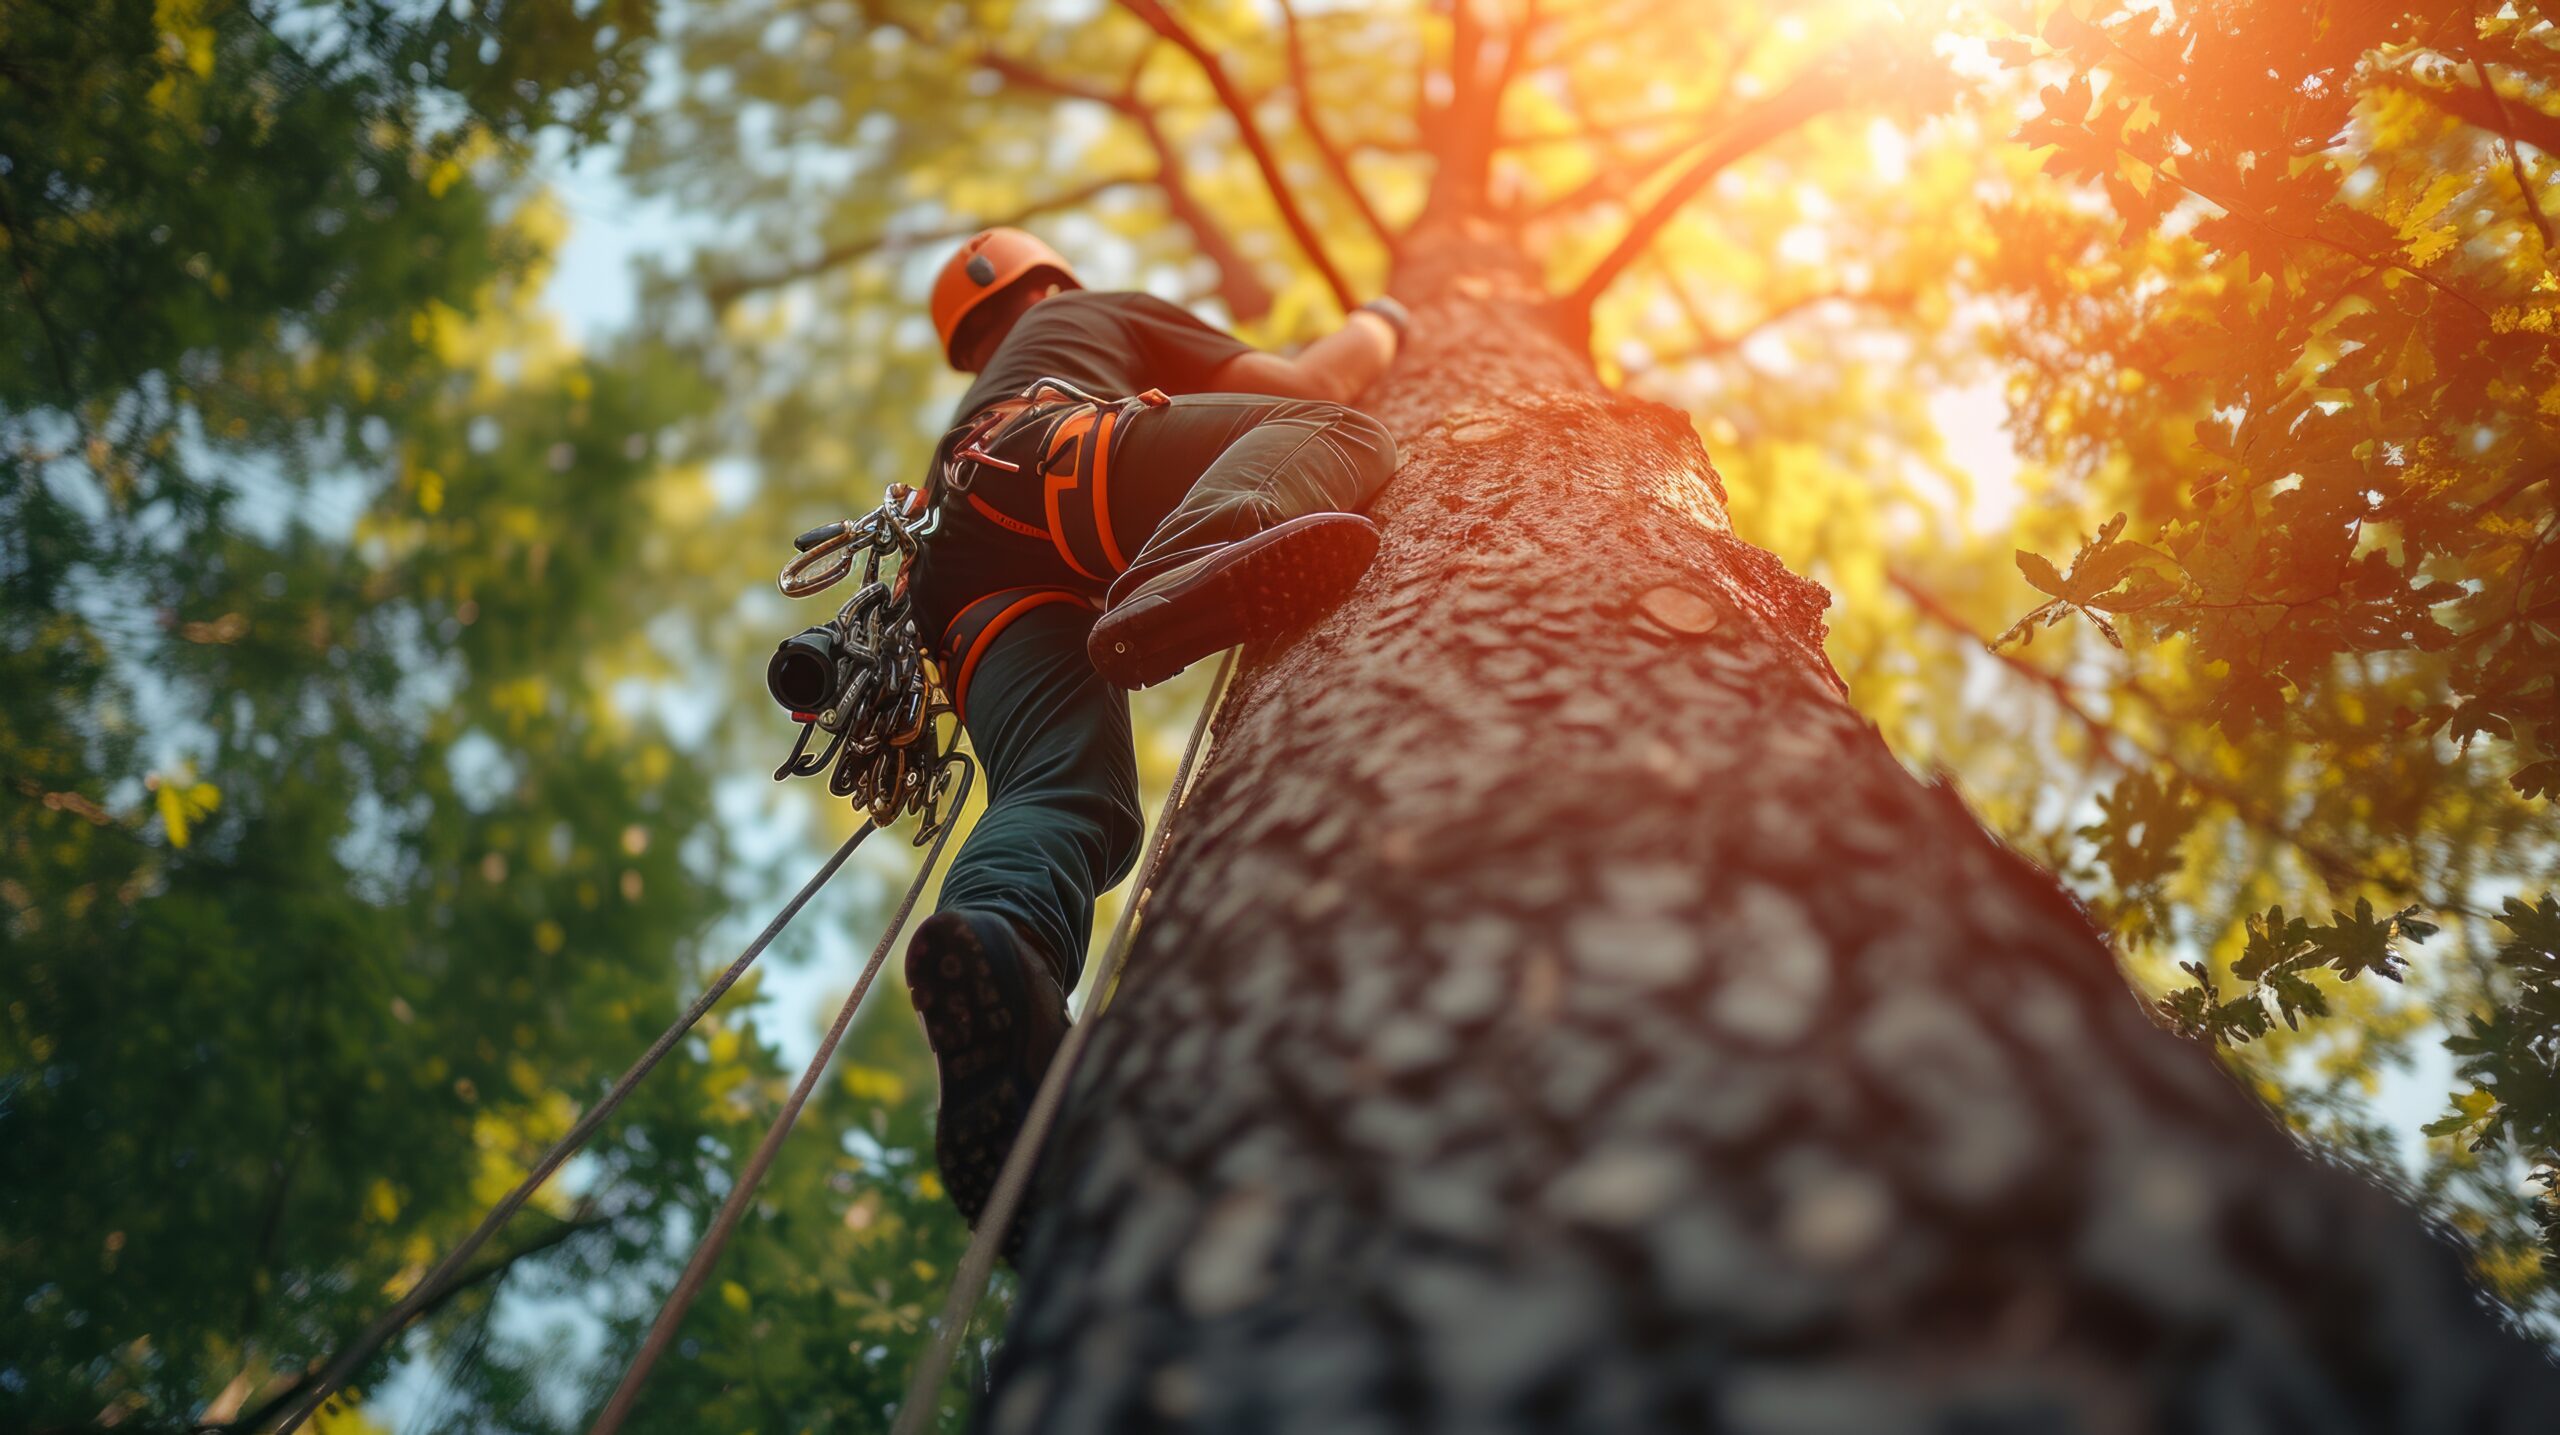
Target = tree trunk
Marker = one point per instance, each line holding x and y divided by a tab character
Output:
1558	1010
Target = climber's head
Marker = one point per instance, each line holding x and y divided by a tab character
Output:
986	286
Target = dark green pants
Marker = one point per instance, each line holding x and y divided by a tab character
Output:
1014	579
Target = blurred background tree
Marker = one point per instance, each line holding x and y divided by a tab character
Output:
383	759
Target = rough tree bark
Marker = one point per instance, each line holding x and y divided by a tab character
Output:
1558	1010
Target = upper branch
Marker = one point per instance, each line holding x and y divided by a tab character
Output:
2483	107
1686	120
2335	867
727	291
1803	97
1622	174
277	1402
1238	108
1712	342
2515	161
1246	296
1335	163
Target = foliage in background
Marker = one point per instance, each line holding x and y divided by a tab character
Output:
347	844
2306	342
335	871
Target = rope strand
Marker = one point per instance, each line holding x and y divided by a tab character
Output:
969	1282
706	1253
392	1321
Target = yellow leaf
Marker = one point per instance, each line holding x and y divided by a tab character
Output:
734	1296
182	802
2427	247
548	936
871	1083
382	1202
929	1186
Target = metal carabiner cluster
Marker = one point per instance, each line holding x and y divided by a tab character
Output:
885	699
969	448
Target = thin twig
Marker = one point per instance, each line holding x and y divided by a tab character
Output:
1336	163
275	1404
726	292
2517	485
1239	109
2515	163
1807	95
2335	867
1712	343
1686	120
2263	222
1622	175
34	290
2487	111
1246	296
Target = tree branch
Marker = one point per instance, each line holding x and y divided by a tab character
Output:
33	287
2515	163
2484	108
725	292
1463	130
1239	109
1807	95
276	1404
2334	866
1335	162
1246	296
1688	120
1712	343
2259	218
1622	175
2515	486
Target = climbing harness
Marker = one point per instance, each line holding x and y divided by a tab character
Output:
867	679
1004	1203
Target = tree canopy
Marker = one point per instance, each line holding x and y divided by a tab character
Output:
2166	396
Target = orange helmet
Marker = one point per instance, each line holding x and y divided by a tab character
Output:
990	260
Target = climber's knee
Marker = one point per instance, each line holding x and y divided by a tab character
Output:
1370	449
1123	831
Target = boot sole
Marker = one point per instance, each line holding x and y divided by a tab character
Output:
1265	588
979	1039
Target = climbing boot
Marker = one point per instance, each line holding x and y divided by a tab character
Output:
994	1014
1252	591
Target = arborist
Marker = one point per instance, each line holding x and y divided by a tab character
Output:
1128	489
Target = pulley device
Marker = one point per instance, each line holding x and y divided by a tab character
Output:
864	679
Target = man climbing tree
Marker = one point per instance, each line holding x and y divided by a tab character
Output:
1212	492
1557	1009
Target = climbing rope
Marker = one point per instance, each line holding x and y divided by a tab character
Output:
706	1252
969	1282
864	680
392	1321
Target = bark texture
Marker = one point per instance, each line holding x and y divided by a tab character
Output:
1559	1011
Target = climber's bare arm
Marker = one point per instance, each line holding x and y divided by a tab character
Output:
1334	368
